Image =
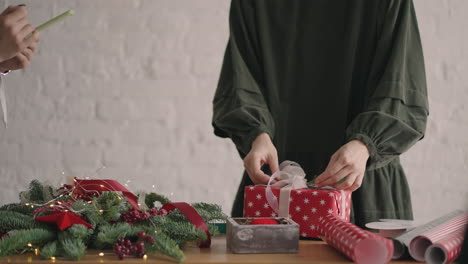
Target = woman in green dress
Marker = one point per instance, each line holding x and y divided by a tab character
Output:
337	86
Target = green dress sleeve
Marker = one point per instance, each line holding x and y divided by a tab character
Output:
396	107
240	111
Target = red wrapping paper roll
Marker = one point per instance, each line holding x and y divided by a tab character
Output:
445	250
361	246
421	243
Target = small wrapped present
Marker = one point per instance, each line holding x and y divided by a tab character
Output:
290	197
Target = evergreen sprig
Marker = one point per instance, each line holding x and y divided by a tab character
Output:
108	234
18	239
10	220
18	207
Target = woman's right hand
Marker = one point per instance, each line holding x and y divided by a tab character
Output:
262	152
15	32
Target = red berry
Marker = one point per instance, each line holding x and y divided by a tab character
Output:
149	239
141	234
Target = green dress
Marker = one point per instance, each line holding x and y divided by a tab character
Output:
315	74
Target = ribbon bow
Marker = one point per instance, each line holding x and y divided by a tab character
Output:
290	177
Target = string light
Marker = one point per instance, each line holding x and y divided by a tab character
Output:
101	254
52	258
145	257
36	251
29	245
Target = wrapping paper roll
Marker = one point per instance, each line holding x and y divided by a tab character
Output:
421	243
445	250
361	246
401	242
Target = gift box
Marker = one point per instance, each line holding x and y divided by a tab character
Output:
307	207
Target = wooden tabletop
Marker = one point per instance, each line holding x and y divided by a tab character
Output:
310	252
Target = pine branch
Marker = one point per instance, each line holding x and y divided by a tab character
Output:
167	246
73	249
49	250
19	239
150	198
108	234
18	207
13	220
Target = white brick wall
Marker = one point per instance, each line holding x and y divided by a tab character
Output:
129	84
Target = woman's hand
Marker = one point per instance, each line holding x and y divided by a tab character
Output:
262	152
348	162
22	59
15	32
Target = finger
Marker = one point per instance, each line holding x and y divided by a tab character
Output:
26	32
357	184
350	179
15	13
253	165
273	163
28	53
333	179
333	167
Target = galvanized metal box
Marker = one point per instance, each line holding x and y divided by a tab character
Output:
252	239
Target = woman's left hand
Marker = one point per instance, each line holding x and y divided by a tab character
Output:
348	162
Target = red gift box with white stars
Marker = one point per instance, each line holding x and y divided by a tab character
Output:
306	206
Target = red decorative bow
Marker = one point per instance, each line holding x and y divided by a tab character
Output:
193	217
86	188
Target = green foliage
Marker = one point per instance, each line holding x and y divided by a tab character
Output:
108	234
37	193
207	211
170	232
18	207
49	250
111	204
10	220
90	213
167	246
73	249
19	239
150	198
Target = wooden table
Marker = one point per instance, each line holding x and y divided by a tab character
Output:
310	252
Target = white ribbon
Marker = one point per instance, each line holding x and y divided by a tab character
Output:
3	101
291	177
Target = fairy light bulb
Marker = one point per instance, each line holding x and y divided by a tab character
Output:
29	245
36	251
101	254
145	257
52	258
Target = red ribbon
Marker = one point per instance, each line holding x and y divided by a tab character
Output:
193	217
99	186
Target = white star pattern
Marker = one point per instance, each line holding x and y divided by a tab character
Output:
331	194
322	202
259	196
250	204
320	218
312	227
252	188
290	199
306	201
257	213
314	193
273	214
305	218
265	206
304	234
330	211
314	210
299	192
298	208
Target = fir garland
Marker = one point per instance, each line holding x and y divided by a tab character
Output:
159	231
